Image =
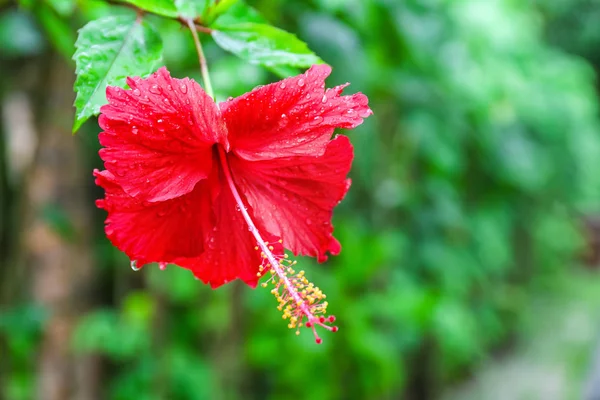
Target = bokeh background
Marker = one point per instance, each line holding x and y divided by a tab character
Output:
470	235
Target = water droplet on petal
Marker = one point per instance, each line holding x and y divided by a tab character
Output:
183	88
170	87
134	130
136	92
301	82
154	89
350	111
147	181
365	113
134	265
211	243
282	85
308	221
160	121
166	101
283	121
324	99
307	96
229	98
162	266
317	120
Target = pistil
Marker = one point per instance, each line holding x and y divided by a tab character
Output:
297	298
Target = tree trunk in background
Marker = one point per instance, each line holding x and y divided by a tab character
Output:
57	246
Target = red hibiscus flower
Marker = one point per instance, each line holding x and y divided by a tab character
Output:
222	189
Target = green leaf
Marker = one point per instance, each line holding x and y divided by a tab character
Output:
216	9
265	45
191	8
165	8
238	13
284	71
108	50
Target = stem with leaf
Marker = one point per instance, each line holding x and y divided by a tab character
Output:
203	67
197	21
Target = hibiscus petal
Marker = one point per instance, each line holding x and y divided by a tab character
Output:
159	231
230	246
293	117
158	135
294	197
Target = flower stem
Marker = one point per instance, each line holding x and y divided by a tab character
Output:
203	67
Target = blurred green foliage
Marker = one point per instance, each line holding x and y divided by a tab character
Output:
468	187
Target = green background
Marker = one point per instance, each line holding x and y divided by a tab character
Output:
462	234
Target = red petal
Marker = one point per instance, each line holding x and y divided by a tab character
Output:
230	246
158	135
155	232
291	118
294	197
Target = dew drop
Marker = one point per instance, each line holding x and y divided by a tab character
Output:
160	121
170	87
183	88
365	114
147	181
134	130
166	101
154	89
317	120
308	221
283	121
350	111
324	99
282	85
162	266
301	82
134	265
229	98
307	96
